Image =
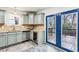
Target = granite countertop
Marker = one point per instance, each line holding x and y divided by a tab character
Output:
14	31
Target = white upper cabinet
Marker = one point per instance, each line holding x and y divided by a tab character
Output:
36	19
2	16
25	19
31	18
39	18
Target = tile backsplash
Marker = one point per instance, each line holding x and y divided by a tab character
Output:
6	28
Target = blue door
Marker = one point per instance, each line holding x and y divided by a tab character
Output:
69	30
51	29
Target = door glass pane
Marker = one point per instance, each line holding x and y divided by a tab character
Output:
51	24
69	28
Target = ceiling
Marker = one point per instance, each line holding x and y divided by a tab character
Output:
24	9
27	9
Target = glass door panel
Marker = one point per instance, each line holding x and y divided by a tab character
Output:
51	29
69	31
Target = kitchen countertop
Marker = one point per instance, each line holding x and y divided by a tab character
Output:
14	31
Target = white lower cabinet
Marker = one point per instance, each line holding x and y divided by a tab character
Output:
12	38
41	37
26	36
19	37
3	39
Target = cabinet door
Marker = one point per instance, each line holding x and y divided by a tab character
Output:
2	16
31	18
2	40
19	36
36	19
26	36
40	18
41	37
25	19
12	38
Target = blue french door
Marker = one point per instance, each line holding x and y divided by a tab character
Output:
51	29
69	30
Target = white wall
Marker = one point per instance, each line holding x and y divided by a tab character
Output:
53	10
